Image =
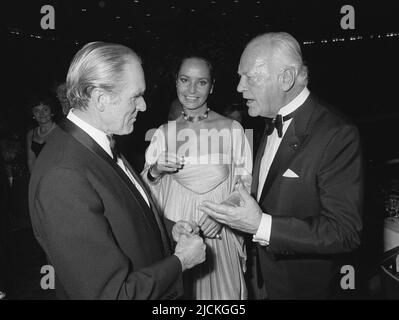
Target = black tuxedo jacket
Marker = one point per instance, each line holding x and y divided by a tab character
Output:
316	217
98	232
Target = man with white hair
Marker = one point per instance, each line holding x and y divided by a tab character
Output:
305	209
90	212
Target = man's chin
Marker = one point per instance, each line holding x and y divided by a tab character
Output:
253	112
125	131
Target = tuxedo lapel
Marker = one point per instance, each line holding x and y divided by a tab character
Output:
154	212
82	137
285	154
258	158
138	179
293	141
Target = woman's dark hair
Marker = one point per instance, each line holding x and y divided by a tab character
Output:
204	58
48	101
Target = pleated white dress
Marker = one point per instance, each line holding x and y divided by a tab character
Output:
207	177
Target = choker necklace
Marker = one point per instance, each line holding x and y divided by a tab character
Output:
193	118
45	134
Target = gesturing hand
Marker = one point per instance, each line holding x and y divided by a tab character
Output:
245	218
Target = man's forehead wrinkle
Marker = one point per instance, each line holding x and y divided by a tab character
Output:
255	58
257	54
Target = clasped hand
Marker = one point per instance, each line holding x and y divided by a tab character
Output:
184	227
190	247
208	227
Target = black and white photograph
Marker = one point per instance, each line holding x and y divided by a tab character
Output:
208	152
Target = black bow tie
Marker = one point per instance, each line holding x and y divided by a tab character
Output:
276	123
114	148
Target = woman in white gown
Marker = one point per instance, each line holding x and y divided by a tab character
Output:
198	157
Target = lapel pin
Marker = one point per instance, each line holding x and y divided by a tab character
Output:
294	145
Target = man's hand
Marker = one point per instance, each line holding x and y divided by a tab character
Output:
190	250
209	227
245	218
184	227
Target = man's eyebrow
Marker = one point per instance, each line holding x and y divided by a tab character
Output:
250	74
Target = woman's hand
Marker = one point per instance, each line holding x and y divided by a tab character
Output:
189	228
167	163
210	228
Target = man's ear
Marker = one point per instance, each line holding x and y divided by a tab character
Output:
287	79
100	100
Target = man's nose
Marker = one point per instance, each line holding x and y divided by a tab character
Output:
241	85
142	105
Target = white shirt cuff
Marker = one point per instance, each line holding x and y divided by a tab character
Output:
262	236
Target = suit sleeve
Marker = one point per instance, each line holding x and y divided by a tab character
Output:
339	180
81	247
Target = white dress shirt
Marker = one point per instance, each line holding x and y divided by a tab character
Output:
101	138
273	142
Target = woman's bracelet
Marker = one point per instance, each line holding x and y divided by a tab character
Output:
150	177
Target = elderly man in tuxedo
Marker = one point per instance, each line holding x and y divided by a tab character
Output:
305	212
90	211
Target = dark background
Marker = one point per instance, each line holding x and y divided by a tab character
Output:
359	77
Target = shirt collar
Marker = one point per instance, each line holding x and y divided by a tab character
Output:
295	103
99	136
